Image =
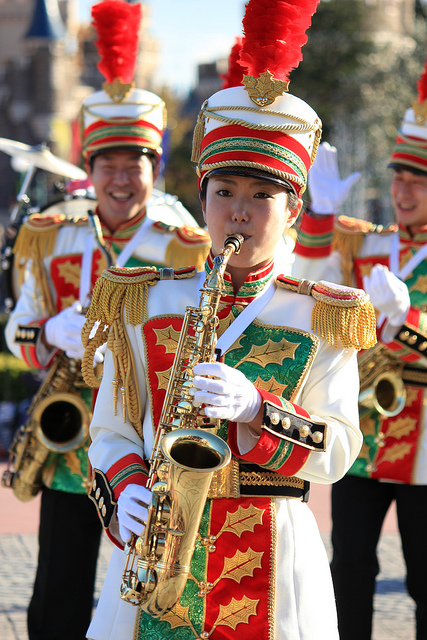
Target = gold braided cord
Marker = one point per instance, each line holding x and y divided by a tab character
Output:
302	127
124	120
244	163
353	326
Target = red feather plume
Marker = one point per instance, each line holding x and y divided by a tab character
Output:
422	86
117	24
274	33
235	73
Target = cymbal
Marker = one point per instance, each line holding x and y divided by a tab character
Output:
40	157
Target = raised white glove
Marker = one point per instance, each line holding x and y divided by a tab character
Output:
327	190
388	294
132	511
229	395
64	331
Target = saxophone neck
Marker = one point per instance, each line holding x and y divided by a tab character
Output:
232	245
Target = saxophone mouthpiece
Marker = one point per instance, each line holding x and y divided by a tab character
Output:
236	240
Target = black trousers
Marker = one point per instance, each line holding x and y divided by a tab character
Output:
69	539
359	507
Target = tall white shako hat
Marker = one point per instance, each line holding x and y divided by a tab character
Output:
259	128
411	143
120	116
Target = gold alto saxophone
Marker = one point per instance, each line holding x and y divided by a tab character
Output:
182	462
58	417
58	422
381	385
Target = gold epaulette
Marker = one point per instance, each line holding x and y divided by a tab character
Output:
117	291
37	235
348	238
189	245
340	313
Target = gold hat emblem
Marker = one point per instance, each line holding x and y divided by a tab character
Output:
265	89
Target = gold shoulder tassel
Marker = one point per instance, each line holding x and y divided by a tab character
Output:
117	291
199	131
179	254
351	320
348	242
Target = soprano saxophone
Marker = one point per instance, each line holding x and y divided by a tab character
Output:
182	462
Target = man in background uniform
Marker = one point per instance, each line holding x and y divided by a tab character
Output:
60	259
389	262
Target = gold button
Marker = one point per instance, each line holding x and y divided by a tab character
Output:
275	418
101	503
94	485
98	493
404	335
317	437
104	511
304	431
412	339
286	423
423	346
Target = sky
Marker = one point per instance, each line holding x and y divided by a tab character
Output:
189	32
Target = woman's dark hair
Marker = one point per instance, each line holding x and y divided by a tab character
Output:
292	197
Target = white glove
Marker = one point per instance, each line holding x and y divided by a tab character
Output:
327	190
132	511
64	331
229	395
388	294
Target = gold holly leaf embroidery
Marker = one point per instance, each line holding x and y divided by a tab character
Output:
397	452
264	89
271	385
73	462
70	272
401	427
66	302
368	426
420	284
241	565
365	269
238	611
177	616
168	338
244	519
411	396
163	378
263	354
224	323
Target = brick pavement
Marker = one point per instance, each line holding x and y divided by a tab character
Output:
394	617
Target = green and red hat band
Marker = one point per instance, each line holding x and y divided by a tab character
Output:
271	151
411	152
122	132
